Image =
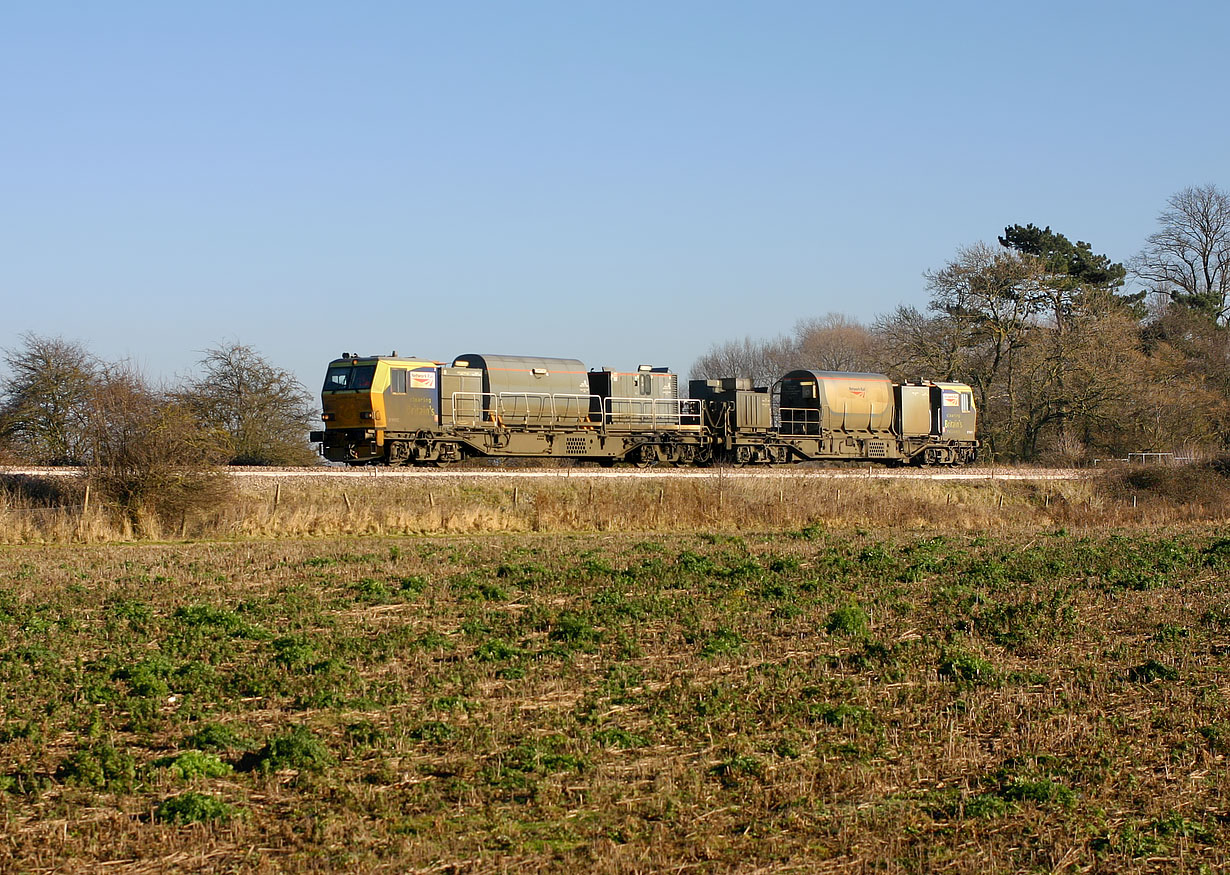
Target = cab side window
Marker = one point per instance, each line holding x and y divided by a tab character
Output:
967	402
397	380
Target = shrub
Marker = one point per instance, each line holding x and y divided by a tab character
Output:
722	641
964	667
293	651
735	767
574	630
1148	672
194	764
851	621
433	731
1039	790
213	620
147	679
364	733
297	748
193	807
985	805
497	649
213	736
102	766
1218	737
147	455
371	591
513	769
614	736
842	715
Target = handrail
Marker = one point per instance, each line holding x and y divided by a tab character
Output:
542	409
808	418
653	412
520	408
809	422
475	410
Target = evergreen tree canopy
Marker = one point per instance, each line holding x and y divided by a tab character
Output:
1062	256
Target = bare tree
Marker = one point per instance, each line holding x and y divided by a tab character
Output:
987	299
1188	260
1190	361
762	361
263	411
1078	376
911	344
834	342
45	398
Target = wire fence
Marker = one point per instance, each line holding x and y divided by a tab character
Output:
1148	458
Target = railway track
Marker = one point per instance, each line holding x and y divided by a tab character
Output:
874	472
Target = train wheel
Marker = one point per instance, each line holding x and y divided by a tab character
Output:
645	458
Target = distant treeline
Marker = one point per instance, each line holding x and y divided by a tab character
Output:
1065	362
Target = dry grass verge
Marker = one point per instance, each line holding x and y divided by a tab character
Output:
54	512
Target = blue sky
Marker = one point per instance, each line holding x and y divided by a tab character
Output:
623	183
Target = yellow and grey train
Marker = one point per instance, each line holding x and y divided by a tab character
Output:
396	410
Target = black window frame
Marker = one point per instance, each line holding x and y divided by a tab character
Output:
353	375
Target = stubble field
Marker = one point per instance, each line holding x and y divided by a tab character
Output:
959	680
